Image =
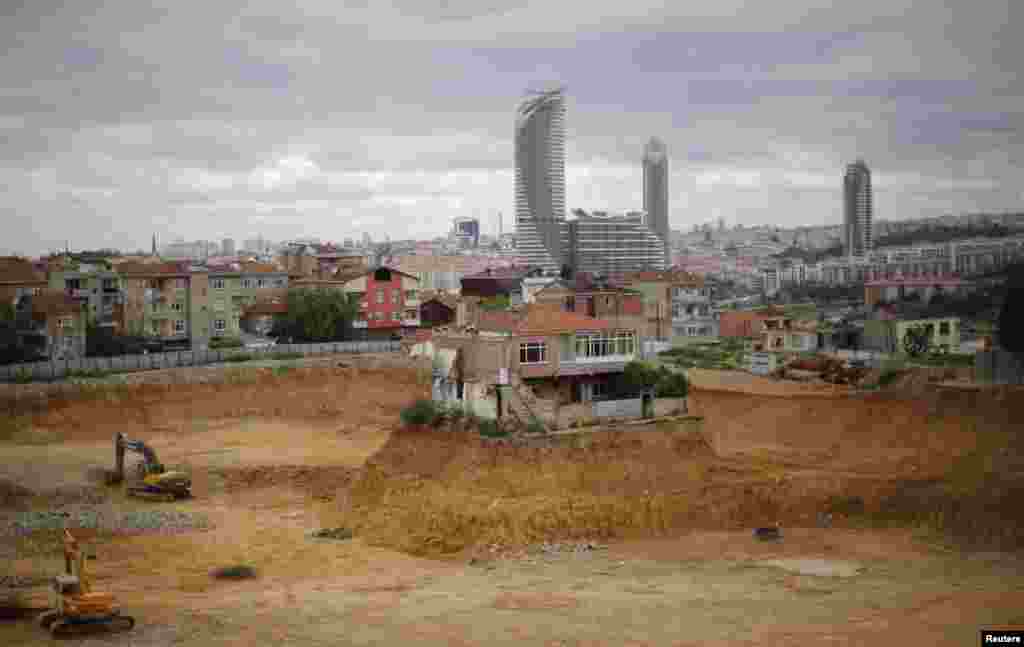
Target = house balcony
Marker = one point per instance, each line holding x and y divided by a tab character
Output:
595	365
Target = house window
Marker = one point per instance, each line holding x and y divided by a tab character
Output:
155	327
944	328
278	283
219	325
396	316
177	307
109	284
533	353
261	283
64	322
604	344
410	314
570	304
394	297
179	325
410	295
73	284
246	283
380	295
68	342
217	284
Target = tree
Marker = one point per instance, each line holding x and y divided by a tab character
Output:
315	316
1011	317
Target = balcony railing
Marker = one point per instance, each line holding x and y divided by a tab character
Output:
410	322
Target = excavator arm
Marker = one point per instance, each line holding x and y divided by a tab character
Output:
154	481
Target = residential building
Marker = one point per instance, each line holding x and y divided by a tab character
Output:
676	303
98	287
493	282
541	234
53	323
922	288
388	299
857	209
228	247
18	278
533	362
887	332
466	232
786	334
746	323
656	174
623	308
259	318
599	243
169	301
237	286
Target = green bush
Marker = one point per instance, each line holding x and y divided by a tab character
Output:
284	355
490	429
225	342
421	412
672	385
283	369
22	376
888	377
239	357
535	426
88	373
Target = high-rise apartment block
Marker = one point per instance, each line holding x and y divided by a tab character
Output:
857	214
655	165
541	233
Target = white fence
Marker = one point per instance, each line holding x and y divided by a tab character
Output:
59	368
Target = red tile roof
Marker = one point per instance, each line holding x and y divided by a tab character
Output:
539	319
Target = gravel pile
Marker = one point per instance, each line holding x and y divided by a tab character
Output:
140	521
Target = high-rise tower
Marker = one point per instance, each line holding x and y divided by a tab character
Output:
541	231
857	235
655	163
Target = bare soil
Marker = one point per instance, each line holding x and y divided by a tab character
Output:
279	457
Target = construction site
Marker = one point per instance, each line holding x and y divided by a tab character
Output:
288	504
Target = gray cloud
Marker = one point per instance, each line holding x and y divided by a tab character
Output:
323	118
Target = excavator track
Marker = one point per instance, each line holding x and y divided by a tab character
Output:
74	627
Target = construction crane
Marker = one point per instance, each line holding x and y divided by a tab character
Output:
75	607
153	480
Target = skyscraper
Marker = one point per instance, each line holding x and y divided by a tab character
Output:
655	163
857	238
541	231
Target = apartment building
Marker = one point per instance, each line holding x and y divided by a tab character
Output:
888	330
676	303
388	299
53	323
622	307
169	301
235	287
96	286
18	278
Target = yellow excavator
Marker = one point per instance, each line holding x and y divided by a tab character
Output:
75	607
154	482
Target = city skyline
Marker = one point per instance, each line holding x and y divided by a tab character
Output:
113	131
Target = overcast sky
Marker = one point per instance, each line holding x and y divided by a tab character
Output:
327	118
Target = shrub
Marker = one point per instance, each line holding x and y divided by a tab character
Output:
672	385
236	572
283	369
421	412
490	429
535	426
88	373
888	377
287	355
22	376
239	357
226	342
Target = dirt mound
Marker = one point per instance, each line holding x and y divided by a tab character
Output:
322	482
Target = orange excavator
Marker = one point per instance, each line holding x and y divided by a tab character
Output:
76	608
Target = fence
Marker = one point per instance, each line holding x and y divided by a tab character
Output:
60	368
998	367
